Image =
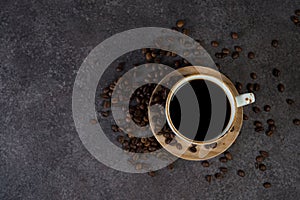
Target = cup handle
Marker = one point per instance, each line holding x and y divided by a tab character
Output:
244	99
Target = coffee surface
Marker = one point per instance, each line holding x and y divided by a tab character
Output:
200	110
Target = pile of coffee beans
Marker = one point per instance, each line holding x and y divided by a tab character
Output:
139	101
295	17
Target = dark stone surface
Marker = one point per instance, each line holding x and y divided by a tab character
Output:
42	45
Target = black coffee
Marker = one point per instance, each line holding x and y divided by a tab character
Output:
200	110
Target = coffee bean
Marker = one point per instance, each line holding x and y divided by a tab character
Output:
295	19
193	149
259	129
238	48
267	185
205	163
259	159
270	121
218	175
178	146
256	87
257	124
219	55
223	169
262	167
256	109
239	86
267	108
241	173
280	87
223	159
180	23
235	55
148	56
228	155
106	104
120	67
151	173
250	87
264	154
234	35
105	113
296	122
276	72
114	128
245	117
171	166
214	44
251	55
186	31
168	140
297	12
275	43
269	133
290	101
225	51
272	127
208	178
253	75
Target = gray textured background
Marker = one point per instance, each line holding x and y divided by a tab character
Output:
42	45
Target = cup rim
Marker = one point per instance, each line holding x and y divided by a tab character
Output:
216	81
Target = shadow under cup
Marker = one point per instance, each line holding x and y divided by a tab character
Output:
200	108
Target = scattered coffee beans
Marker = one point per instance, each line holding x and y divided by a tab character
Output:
223	169
235	55
251	55
253	75
264	154
238	48
218	175
214	44
275	43
241	173
234	35
205	163
245	117
208	178
296	122
280	87
276	72
262	167
270	121
223	159
267	108
267	185
228	155
256	109
259	159
290	101
180	23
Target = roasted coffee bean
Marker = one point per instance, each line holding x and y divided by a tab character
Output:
262	167
228	155
219	55
296	122
178	146
205	163
257	124
120	67
259	129
267	108
225	51
235	55
280	87
193	149
114	128
223	169
208	178
256	87
218	175
264	154
276	72
168	140
275	43
238	48
241	173
214	44
269	133
186	31
105	113
272	127
144	50
120	139
245	117
270	121
106	104
223	159
297	12
250	87
251	55
253	75
256	109
267	185
290	101
171	166
234	35
151	173
295	19
180	23
148	56
239	86
259	159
